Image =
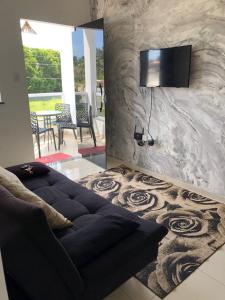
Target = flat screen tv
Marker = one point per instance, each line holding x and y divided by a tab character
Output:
168	67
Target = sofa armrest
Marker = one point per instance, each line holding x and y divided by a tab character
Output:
31	254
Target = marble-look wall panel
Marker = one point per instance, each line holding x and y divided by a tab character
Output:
187	123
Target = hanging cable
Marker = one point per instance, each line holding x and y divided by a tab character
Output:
150	113
134	152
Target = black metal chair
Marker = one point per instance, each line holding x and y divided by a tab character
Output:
85	119
64	121
37	131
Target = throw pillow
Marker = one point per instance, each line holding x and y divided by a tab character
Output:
15	186
29	170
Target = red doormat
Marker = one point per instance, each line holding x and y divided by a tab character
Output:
92	150
53	158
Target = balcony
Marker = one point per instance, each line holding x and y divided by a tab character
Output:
45	102
51	65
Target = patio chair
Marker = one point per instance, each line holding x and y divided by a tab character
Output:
37	131
85	119
64	121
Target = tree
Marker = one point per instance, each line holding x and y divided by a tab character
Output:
100	64
43	72
79	68
79	72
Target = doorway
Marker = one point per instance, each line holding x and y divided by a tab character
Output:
56	74
91	71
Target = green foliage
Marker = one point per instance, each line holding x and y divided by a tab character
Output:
79	68
79	71
43	73
100	64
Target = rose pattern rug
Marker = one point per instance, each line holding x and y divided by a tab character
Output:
196	224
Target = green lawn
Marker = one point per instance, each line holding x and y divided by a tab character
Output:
37	105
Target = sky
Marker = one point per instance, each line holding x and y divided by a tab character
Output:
78	45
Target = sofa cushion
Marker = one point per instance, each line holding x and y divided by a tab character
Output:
15	186
91	240
32	169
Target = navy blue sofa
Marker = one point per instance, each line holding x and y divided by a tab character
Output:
40	264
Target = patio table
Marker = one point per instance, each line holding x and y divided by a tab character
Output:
47	115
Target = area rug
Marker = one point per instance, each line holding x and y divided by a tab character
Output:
91	151
196	224
53	158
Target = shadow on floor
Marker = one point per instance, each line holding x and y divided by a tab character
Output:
97	159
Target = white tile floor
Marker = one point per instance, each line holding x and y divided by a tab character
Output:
76	169
206	283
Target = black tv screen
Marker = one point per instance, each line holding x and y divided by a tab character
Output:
169	67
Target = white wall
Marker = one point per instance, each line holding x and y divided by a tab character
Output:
15	132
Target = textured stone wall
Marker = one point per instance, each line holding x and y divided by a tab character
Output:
188	124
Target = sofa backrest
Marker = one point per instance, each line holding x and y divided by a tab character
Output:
31	254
